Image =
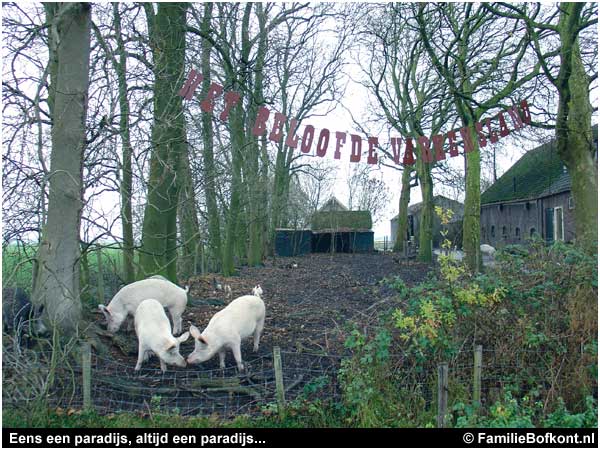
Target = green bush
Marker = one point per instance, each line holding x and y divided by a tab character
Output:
373	393
535	313
524	413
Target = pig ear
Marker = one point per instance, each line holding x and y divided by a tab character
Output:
203	340
195	332
105	310
184	337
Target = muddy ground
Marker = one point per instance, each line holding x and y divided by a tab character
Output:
310	300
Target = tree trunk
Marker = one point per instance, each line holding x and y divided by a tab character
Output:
403	210
188	220
127	177
573	130
471	219
231	231
158	254
212	209
263	177
256	208
234	239
278	200
57	284
426	222
51	10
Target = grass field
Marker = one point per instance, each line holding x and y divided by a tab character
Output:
17	263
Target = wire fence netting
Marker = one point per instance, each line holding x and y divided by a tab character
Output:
194	390
116	387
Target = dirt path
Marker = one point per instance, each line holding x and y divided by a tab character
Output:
308	306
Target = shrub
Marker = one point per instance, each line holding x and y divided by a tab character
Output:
535	313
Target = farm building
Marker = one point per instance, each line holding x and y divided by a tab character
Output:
414	217
334	228
532	198
291	242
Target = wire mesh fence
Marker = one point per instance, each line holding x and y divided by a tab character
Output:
115	387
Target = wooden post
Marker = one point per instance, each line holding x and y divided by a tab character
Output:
279	381
477	363
86	370
442	395
100	277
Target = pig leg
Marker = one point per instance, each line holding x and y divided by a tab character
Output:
237	354
141	356
163	366
257	332
222	359
176	314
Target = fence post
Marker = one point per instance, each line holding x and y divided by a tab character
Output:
100	277
477	364
86	370
442	394
279	381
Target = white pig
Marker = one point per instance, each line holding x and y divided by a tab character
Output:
226	329
128	298
153	331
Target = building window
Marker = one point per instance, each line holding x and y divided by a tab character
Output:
493	231
518	233
571	202
532	233
504	234
559	232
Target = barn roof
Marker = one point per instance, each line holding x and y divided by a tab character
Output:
536	172
437	199
539	173
333	204
341	221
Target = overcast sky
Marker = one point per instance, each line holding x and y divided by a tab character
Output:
354	106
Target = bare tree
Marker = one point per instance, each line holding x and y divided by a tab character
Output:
316	180
481	74
412	98
366	192
57	283
158	253
555	34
